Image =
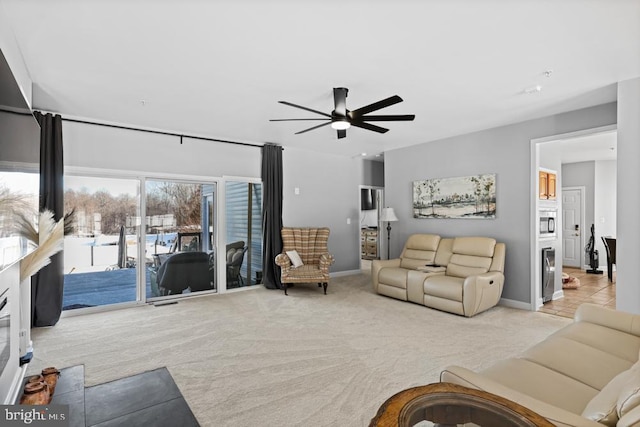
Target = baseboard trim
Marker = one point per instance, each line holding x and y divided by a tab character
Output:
515	304
345	273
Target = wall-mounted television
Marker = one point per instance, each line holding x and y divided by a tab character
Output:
367	199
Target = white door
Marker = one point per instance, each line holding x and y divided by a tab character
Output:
572	228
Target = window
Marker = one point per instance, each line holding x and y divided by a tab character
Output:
101	254
18	194
243	202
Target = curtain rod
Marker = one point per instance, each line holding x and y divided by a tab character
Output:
17	111
158	132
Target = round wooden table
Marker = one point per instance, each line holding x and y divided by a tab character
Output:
452	404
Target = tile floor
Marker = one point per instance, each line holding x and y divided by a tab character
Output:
594	288
147	399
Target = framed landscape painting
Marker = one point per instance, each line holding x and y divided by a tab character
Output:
472	197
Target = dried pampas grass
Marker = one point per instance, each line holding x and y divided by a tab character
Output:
25	228
50	239
12	206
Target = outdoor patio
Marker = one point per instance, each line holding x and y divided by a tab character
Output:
98	288
101	288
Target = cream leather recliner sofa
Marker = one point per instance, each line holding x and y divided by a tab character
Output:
462	275
585	374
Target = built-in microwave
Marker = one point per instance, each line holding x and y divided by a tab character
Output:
548	223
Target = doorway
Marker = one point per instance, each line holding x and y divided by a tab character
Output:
179	234
371	243
584	159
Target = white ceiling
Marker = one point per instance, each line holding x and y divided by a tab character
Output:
218	68
598	146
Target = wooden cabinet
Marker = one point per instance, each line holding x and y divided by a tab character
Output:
547	184
369	243
542	180
551	186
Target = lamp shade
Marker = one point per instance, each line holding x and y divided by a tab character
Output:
388	215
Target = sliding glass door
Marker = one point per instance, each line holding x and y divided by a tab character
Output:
101	254
143	239
180	236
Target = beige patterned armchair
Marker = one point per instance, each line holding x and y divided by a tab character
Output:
311	246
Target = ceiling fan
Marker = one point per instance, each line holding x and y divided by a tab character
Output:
341	119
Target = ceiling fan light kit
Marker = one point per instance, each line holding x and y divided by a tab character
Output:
342	119
340	124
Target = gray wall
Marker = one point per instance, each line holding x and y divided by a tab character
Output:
372	173
19	131
328	195
504	151
605	196
93	146
628	226
19	138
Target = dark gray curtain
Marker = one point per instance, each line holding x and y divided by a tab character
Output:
47	284
271	214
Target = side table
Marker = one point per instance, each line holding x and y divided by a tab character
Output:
452	404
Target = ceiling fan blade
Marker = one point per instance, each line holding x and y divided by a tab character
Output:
305	108
340	100
369	126
375	106
291	120
342	133
312	128
391	118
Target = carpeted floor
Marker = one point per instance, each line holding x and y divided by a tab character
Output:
259	358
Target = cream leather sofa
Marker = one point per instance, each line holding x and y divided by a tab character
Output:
468	280
585	374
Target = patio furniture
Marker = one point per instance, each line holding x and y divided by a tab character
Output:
234	276
184	270
187	242
235	258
